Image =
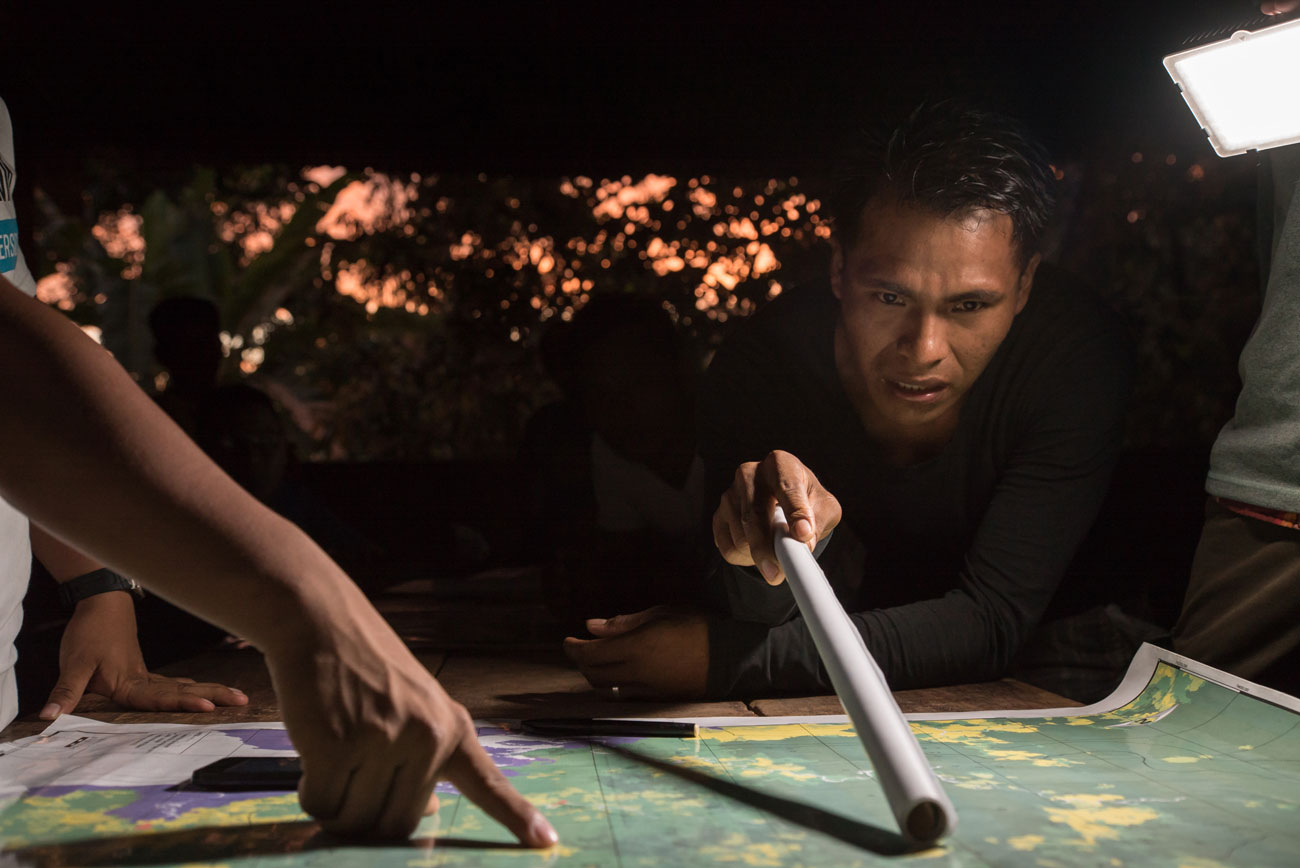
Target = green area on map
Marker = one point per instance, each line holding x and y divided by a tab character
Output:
1188	775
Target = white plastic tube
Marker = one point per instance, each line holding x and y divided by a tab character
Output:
915	795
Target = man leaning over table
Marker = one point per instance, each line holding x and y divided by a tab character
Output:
954	421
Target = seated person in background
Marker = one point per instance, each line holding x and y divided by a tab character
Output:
555	456
240	428
187	342
1242	611
954	425
634	537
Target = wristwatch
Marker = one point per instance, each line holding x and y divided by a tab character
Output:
95	582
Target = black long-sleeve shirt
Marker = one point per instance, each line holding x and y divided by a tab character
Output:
947	565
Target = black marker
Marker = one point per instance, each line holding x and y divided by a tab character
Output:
577	726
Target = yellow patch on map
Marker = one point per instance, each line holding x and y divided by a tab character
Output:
629	802
738	849
1037	759
974	731
1093	819
467	822
762	766
778	732
552	773
264	809
1025	842
53	812
1185	759
1159	695
694	762
976	781
937	851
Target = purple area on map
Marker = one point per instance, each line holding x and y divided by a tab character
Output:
156	803
263	739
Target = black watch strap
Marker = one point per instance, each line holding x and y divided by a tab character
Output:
99	581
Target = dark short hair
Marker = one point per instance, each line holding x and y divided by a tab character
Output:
952	158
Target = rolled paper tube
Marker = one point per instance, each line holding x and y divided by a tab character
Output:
918	801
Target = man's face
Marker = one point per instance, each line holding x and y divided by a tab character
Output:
925	300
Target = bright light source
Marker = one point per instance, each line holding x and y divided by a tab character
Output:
1244	90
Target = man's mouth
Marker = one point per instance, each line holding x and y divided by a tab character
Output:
918	390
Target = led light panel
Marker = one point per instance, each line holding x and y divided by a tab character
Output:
1244	90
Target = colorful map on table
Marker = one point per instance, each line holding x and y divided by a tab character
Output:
1176	770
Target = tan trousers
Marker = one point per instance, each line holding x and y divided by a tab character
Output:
1242	610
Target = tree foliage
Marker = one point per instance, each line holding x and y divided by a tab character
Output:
397	317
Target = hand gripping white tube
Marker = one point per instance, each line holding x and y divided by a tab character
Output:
917	799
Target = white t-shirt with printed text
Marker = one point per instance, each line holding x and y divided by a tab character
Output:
15	544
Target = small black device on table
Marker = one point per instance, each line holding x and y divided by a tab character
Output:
249	773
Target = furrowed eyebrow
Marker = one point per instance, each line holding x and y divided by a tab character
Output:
890	286
987	296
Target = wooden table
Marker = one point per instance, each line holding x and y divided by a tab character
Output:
493	646
539	683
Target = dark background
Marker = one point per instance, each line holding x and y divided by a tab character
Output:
549	88
757	90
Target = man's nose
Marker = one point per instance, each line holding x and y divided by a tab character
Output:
924	341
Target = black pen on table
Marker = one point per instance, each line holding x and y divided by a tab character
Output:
578	726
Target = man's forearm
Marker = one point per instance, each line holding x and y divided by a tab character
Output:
949	640
103	466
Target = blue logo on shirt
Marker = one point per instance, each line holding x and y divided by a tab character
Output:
8	245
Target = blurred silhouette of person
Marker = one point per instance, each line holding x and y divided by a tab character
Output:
555	455
637	392
187	342
632	490
239	428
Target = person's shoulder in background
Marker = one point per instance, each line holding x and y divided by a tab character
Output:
787	337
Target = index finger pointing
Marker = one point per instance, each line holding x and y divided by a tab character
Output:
475	775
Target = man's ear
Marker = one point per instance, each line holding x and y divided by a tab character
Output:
837	268
1027	281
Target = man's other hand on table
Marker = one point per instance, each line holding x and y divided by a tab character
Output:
652	654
